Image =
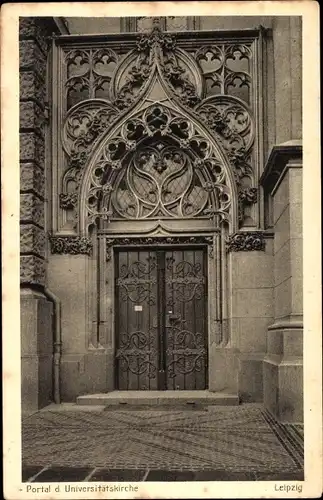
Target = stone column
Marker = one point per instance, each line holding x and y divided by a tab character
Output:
36	310
287	56
283	364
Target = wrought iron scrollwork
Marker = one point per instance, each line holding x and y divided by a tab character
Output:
136	353
136	281
186	281
186	349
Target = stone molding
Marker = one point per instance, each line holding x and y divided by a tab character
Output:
158	240
246	241
73	245
286	325
278	161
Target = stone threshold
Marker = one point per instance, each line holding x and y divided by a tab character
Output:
122	398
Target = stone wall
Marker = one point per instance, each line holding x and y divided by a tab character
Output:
283	364
266	304
36	310
81	25
252	313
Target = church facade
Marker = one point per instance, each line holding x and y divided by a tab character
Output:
161	208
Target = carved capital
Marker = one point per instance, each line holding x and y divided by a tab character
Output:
246	241
73	245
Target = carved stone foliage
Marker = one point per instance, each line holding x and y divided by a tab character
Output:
83	125
231	120
156	240
246	196
70	245
245	241
186	179
67	200
103	87
156	49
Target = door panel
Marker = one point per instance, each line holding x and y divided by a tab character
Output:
136	320
161	325
185	325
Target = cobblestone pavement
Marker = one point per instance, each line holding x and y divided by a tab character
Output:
155	444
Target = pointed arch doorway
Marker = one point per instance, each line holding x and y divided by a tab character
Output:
160	193
161	199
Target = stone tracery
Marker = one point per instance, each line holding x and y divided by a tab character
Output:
175	172
181	75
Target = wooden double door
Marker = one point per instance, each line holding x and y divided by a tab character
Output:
161	319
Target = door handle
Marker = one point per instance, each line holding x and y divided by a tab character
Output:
174	317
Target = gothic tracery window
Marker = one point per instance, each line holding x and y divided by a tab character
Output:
159	181
138	92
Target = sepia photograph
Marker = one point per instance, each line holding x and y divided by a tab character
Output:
161	253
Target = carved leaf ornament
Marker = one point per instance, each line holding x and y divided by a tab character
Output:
132	156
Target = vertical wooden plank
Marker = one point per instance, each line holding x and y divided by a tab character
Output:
152	323
132	320
206	263
141	325
170	383
200	321
161	309
178	308
143	320
122	319
191	294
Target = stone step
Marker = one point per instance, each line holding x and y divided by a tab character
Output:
159	398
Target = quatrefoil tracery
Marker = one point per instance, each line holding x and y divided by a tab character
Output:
142	186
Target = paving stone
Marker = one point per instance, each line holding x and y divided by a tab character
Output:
118	475
29	471
280	476
237	440
56	474
166	475
223	475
